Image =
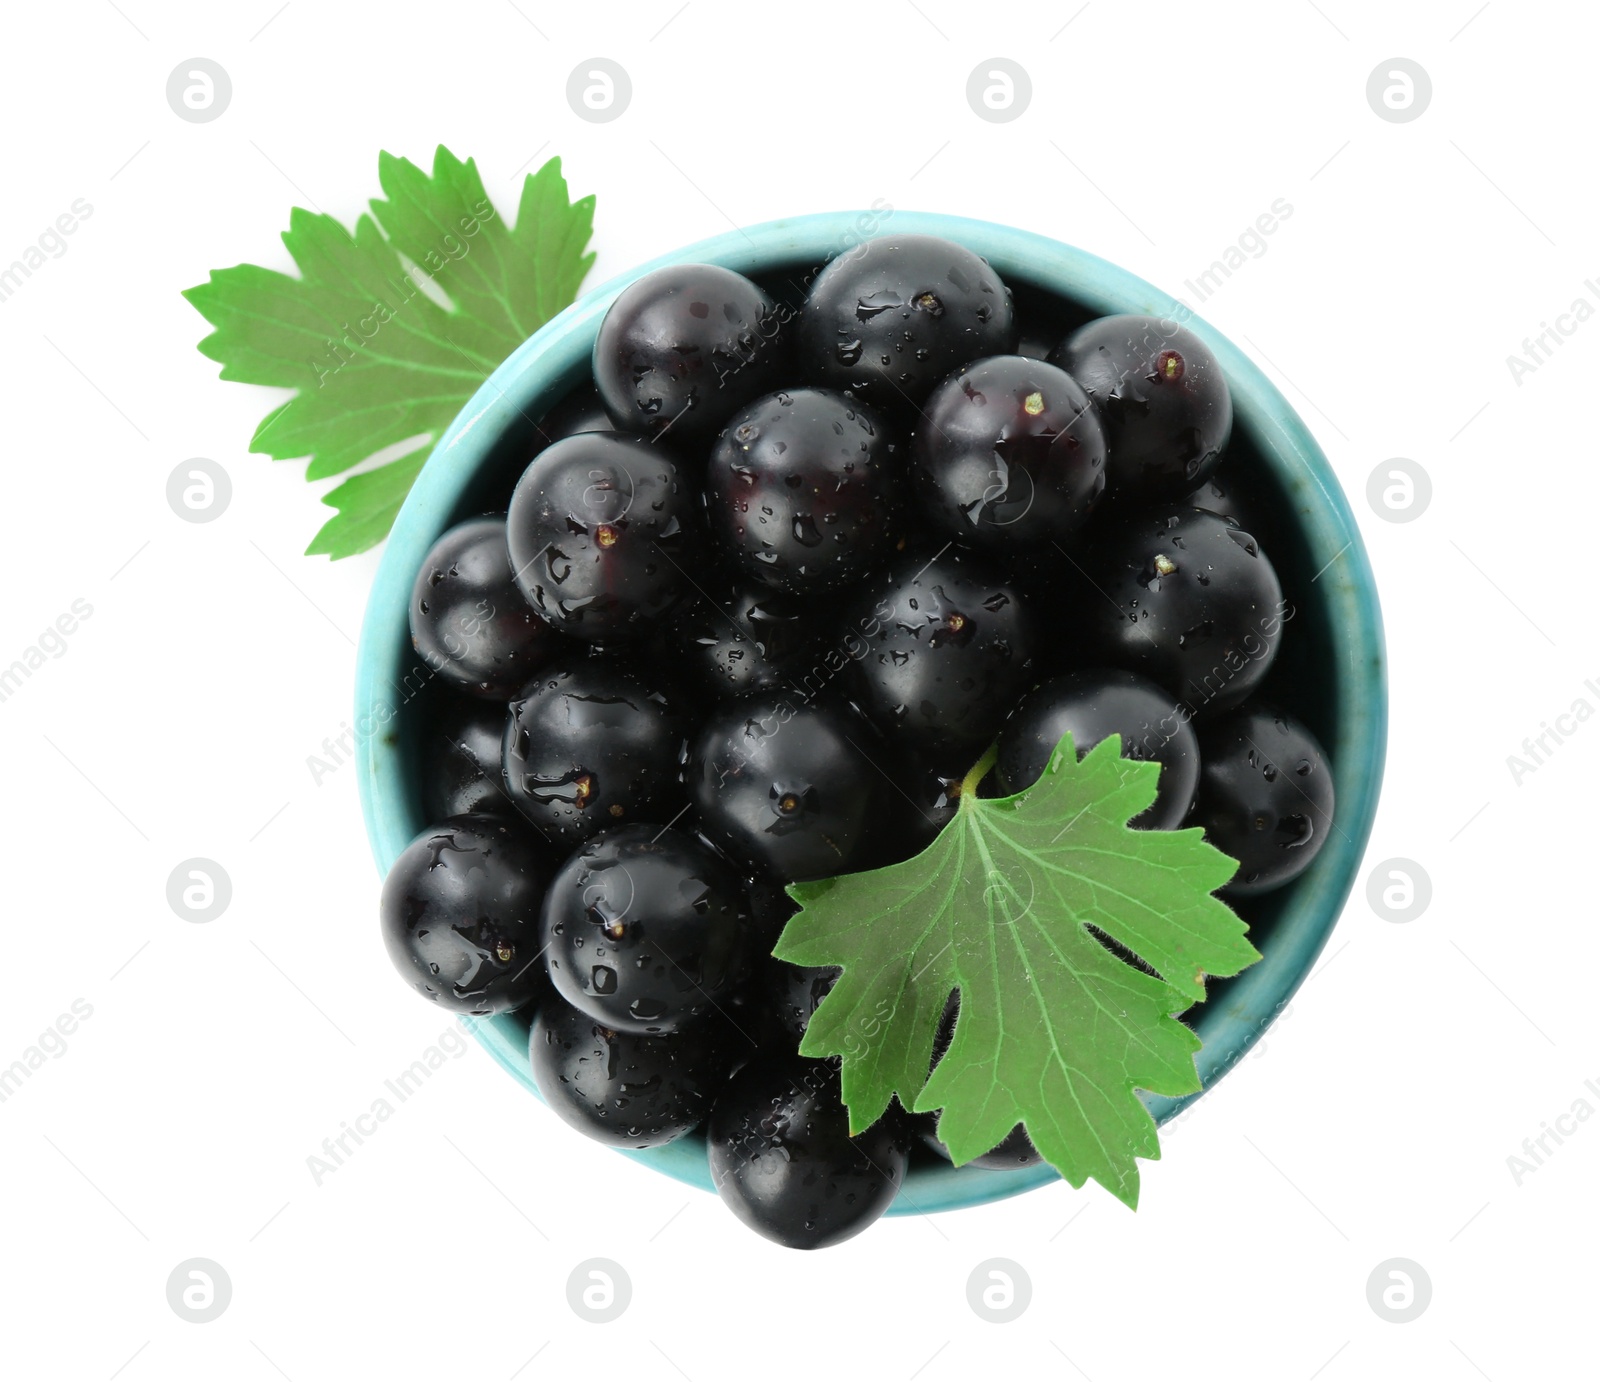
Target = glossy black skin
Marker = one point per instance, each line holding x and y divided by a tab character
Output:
587	746
736	639
1207	629
644	930
469	621
1091	706
783	1160
460	914
1008	453
1266	796
461	759
626	1090
684	348
600	529
948	649
779	785
889	319
802	490
1163	398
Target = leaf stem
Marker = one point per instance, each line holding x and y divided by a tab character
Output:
978	771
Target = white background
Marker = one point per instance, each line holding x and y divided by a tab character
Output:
1375	1120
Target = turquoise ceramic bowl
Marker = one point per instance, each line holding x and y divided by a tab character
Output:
1331	669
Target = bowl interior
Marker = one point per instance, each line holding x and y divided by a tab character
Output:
1330	668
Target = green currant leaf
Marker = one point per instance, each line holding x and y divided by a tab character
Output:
388	330
367	505
1055	1031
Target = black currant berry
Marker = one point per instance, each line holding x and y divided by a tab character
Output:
783	1160
623	1089
644	929
1161	393
784	786
469	621
802	489
683	348
1091	706
889	319
1188	599
730	640
461	759
600	527
1009	452
460	914
948	649
1266	796
588	746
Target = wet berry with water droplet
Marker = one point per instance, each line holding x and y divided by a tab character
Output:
1008	453
1163	398
783	786
1091	706
802	490
684	347
1189	600
644	929
588	745
599	528
469	621
890	318
947	650
783	1160
460	914
1266	796
624	1089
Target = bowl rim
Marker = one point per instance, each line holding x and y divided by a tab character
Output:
556	357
